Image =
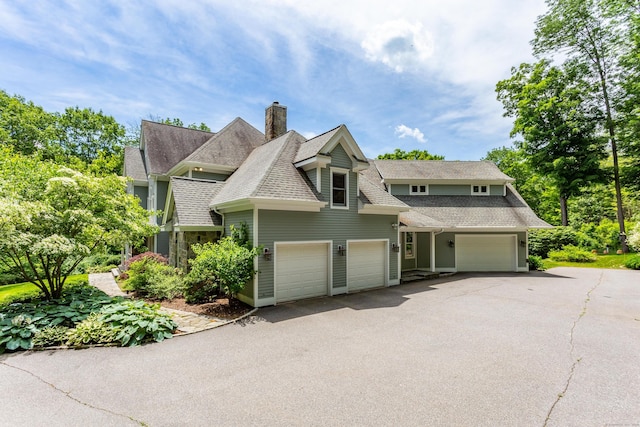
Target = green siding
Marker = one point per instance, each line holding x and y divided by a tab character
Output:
313	177
423	256
445	255
141	193
163	243
449	190
399	189
237	218
407	263
209	176
496	190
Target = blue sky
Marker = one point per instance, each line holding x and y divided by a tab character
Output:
401	74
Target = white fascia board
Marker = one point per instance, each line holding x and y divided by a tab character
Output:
204	227
317	161
140	183
419	229
183	167
270	204
445	181
482	229
359	166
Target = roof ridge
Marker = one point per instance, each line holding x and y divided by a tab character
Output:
217	134
324	133
176	126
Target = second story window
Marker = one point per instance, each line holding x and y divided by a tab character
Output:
480	190
418	189
339	187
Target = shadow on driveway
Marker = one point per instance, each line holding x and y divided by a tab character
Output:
388	297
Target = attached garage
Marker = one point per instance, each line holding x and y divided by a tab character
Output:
301	270
486	253
366	264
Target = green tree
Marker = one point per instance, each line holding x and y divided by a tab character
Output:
399	154
538	190
25	127
560	139
177	122
586	33
50	223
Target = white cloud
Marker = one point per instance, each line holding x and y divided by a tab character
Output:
404	131
399	44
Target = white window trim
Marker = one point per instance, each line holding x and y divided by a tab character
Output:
412	243
480	193
419	193
345	172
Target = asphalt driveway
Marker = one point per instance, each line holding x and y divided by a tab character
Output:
560	348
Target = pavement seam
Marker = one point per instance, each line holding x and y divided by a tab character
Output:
572	350
68	394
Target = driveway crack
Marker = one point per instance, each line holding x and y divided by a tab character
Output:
68	394
576	360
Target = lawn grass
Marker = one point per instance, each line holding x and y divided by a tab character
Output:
611	261
12	292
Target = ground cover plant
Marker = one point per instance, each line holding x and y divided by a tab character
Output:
610	261
83	315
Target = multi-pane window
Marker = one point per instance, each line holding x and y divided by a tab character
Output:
479	190
339	189
409	239
418	189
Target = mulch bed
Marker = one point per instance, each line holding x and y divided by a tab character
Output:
223	308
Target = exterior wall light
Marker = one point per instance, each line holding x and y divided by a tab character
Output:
523	243
395	247
451	243
267	254
342	250
394	225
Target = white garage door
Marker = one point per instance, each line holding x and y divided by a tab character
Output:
366	265
486	253
302	271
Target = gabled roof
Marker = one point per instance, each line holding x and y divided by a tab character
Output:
134	164
229	147
269	174
473	211
191	202
315	151
166	145
440	170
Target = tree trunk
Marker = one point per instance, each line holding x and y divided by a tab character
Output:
563	211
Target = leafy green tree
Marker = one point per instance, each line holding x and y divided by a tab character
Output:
399	154
560	134
25	127
48	227
584	32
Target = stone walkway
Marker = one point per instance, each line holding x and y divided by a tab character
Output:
188	323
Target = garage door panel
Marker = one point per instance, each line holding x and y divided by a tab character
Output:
366	265
486	253
301	271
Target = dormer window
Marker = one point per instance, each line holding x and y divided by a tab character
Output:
480	190
418	189
339	188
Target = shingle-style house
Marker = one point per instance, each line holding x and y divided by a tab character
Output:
330	220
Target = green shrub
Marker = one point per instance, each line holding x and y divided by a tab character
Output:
50	336
154	279
16	332
225	265
535	263
92	330
138	322
573	254
159	258
633	262
543	241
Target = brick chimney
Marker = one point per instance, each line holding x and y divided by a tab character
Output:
275	121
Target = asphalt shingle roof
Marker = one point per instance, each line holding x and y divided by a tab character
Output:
269	173
473	211
134	164
440	170
230	146
313	146
166	145
191	197
371	193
